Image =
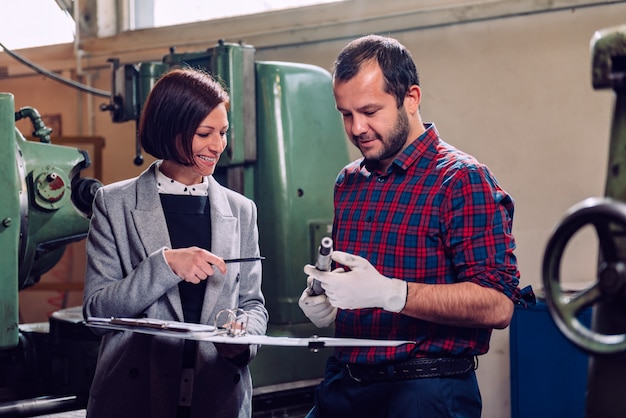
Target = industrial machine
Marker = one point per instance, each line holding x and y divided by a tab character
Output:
285	147
44	206
605	341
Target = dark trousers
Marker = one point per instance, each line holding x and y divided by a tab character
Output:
339	395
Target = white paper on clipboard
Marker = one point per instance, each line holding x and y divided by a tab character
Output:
200	332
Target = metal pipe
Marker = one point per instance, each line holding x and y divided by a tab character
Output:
41	405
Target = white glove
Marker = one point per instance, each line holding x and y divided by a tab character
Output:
317	308
361	287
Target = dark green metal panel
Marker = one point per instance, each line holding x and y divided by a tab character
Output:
608	70
9	224
608	49
51	220
233	66
148	73
616	176
301	147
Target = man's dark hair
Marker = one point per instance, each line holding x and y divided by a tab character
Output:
394	59
179	101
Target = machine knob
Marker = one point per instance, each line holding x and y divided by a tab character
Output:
608	218
50	187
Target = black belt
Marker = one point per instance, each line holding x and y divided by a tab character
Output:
411	369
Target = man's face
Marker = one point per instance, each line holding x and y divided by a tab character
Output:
371	117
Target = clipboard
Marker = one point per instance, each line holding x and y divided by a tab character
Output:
231	331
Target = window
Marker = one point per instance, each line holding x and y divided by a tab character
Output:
30	23
167	12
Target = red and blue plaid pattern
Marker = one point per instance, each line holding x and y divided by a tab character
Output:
436	216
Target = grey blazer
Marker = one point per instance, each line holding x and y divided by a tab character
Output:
127	276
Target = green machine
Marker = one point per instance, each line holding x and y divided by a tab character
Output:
605	341
44	205
286	145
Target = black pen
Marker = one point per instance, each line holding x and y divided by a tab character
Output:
243	260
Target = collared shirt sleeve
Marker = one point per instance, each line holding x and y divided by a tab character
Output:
477	221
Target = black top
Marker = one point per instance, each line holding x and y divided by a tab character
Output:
189	224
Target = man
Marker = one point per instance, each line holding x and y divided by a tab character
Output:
424	251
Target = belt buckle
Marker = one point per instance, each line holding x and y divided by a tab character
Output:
356	379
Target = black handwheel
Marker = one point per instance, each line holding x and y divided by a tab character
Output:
608	217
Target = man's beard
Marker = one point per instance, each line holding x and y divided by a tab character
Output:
395	141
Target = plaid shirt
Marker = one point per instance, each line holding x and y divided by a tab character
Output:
436	216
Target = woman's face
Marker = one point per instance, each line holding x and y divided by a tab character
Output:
209	141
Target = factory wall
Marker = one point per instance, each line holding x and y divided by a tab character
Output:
514	92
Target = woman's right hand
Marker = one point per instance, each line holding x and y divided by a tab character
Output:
193	264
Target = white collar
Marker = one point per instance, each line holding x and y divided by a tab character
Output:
167	185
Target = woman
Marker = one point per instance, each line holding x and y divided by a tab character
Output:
156	249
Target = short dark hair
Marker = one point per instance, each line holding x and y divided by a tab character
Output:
394	59
179	101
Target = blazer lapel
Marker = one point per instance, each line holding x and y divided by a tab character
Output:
225	236
152	227
148	214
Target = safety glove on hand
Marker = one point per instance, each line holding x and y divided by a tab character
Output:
317	308
361	287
